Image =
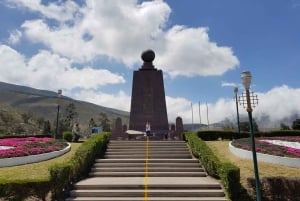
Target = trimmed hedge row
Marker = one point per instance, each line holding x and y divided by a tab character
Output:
212	135
62	175
277	188
227	172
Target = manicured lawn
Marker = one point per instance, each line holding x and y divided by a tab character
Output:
221	149
34	170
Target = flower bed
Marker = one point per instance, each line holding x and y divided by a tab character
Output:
20	147
278	146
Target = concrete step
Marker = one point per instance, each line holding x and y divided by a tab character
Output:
150	156
151	193
122	151
137	165
132	160
150	174
149	199
150	169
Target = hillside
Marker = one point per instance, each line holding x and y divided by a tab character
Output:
42	103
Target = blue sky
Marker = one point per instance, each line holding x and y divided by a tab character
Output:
89	49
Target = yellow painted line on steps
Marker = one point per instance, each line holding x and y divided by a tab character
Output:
146	171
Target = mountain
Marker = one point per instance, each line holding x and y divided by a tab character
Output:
43	103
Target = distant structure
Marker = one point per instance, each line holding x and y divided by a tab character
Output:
179	128
148	102
117	132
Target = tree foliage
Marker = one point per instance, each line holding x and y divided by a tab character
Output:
244	126
284	127
104	122
296	124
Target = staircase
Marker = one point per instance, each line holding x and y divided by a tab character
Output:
147	170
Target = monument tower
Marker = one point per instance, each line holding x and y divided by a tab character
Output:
148	103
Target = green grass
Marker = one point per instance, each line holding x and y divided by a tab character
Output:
35	170
221	149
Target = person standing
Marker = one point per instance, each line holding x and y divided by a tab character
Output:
76	132
148	128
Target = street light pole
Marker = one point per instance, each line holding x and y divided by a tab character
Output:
237	109
246	79
59	93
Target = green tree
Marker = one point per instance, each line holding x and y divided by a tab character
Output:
40	121
26	116
7	119
70	115
47	127
104	122
92	123
244	126
296	124
284	127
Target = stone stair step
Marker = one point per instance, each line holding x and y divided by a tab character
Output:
166	165
151	193
132	160
144	151
149	199
151	156
150	174
150	169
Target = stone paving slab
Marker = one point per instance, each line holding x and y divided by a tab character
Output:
151	181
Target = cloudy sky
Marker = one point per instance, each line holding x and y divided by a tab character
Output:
90	48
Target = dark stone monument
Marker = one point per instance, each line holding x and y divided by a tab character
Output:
148	98
117	132
179	128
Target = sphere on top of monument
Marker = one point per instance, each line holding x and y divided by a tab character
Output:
148	55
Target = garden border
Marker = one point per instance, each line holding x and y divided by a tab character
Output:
7	162
279	160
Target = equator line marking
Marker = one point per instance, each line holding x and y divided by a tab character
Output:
146	171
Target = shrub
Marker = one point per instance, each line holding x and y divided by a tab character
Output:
67	135
227	172
21	189
277	188
63	175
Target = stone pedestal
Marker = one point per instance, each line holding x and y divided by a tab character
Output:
179	127
117	132
148	98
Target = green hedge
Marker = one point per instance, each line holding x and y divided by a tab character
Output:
277	188
212	135
62	175
68	136
21	189
227	172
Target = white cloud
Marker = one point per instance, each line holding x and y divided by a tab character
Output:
278	103
229	84
121	30
119	101
14	37
189	52
51	71
60	10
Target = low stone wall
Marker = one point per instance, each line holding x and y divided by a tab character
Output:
7	162
287	161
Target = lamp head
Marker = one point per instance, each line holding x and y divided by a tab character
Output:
236	89
246	79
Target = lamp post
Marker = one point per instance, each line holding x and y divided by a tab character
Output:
59	93
236	89
246	80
